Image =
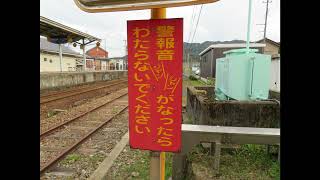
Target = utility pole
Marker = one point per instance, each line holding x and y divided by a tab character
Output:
60	56
265	22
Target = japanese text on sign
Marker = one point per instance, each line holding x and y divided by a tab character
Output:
155	72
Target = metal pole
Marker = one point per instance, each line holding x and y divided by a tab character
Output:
84	53
60	55
156	13
265	23
248	28
162	165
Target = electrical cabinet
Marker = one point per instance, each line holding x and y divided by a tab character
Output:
242	75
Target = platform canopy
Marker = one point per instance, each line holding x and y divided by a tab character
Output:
61	34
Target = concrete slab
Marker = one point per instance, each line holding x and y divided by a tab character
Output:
101	172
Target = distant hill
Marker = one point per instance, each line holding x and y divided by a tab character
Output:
195	48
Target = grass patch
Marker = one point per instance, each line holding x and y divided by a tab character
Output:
140	165
52	113
96	158
168	168
71	158
248	162
114	110
197	83
210	81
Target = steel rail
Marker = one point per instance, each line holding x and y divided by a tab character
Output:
73	146
82	92
75	89
47	132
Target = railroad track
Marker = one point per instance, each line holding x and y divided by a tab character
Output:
59	134
75	89
70	93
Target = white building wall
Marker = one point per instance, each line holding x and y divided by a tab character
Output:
275	75
51	63
103	65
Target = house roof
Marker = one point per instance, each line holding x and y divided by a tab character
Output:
52	29
52	47
96	48
270	41
233	45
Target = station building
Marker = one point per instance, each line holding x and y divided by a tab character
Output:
50	60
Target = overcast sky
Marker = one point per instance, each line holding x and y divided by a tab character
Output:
221	21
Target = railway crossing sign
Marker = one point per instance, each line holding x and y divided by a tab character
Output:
155	85
94	6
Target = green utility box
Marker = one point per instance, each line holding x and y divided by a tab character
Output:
243	74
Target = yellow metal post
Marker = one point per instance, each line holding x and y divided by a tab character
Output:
162	165
158	13
157	172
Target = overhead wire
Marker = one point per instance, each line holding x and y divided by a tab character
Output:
195	30
191	24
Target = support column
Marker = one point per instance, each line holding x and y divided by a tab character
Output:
154	165
84	54
60	55
158	13
217	151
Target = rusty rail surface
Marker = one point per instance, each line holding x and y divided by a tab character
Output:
47	100
47	132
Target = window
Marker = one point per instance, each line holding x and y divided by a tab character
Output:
50	60
44	59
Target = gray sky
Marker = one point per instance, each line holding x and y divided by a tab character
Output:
220	21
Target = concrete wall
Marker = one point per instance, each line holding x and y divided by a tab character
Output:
51	63
64	79
204	110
